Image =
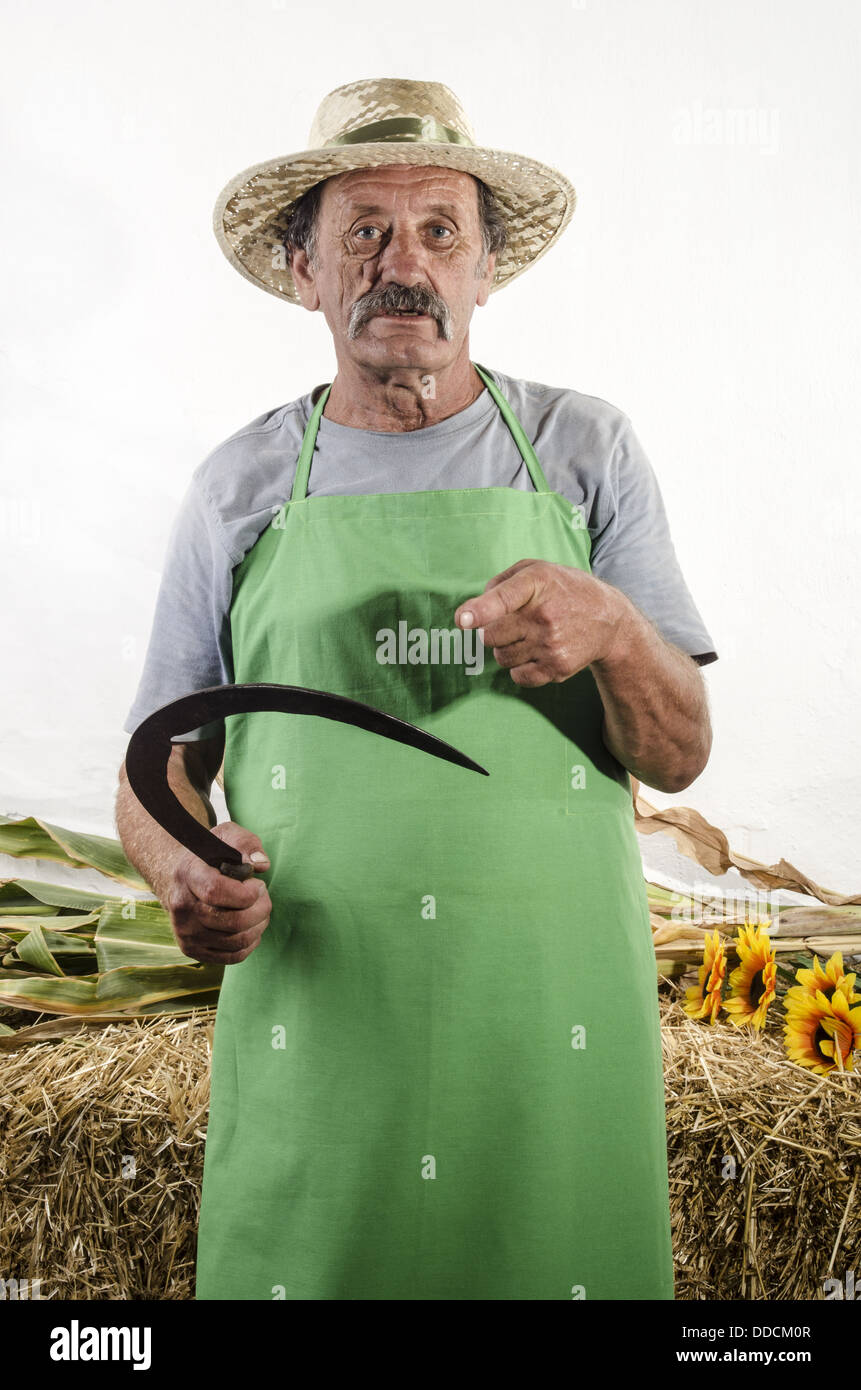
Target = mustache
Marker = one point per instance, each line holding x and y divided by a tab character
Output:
416	299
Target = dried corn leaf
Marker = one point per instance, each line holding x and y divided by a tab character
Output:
696	838
680	931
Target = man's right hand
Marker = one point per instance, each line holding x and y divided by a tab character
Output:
215	918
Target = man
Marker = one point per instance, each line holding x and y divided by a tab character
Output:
437	1066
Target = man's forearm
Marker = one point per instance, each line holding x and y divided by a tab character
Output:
656	717
152	851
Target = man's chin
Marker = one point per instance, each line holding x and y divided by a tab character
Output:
413	348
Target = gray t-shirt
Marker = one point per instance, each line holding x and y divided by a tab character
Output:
586	447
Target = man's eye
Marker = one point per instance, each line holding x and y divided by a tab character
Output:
440	228
360	230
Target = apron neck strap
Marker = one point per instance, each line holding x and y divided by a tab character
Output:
306	453
527	453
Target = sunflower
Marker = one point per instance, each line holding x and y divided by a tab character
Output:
833	977
822	1033
753	981
704	998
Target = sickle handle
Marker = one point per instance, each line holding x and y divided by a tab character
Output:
240	871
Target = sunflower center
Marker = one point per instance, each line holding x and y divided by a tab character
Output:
757	988
819	1037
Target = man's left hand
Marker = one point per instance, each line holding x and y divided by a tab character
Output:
545	621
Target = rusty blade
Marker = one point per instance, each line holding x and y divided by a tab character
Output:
149	748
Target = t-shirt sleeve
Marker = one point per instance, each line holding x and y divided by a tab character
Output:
189	645
632	549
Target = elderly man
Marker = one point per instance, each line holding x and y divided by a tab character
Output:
437	1065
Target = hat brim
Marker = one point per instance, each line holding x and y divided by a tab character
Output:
536	202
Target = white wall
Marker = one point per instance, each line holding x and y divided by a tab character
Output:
706	285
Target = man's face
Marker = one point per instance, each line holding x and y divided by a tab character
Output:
400	237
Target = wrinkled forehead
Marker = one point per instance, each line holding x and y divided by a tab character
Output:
400	186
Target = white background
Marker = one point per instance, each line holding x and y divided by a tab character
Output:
706	286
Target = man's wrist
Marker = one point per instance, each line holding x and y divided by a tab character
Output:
625	628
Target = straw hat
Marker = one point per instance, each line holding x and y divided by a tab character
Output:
387	120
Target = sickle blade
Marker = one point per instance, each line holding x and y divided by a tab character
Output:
149	748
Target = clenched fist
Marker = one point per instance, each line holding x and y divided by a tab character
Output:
215	918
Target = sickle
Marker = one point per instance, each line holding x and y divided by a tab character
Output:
149	748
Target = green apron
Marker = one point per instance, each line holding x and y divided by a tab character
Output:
439	1074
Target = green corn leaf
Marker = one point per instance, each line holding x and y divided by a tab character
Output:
38	839
64	895
143	939
29	895
33	951
70	944
786	970
16	901
664	897
27	839
127	991
18	926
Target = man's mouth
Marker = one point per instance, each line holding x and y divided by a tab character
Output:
435	314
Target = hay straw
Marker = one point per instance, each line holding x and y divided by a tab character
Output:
70	1113
784	1219
74	1105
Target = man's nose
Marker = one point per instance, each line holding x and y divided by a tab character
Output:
402	259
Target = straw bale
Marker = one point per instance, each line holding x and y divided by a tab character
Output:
101	1155
764	1162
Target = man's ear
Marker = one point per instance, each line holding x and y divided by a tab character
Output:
483	291
304	279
